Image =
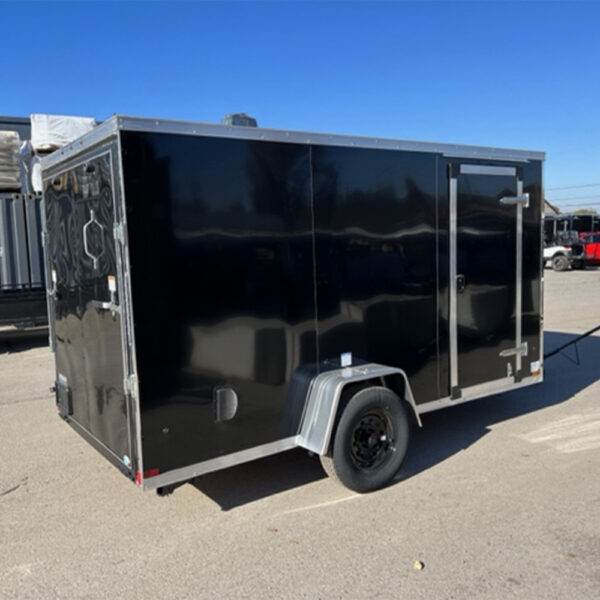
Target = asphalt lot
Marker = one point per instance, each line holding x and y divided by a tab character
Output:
498	498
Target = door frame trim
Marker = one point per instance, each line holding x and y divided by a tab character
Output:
519	284
487	170
474	169
453	314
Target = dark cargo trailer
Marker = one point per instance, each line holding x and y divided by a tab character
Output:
221	293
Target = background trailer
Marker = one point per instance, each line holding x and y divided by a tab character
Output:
22	286
221	293
23	141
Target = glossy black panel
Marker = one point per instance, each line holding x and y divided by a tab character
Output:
532	242
376	249
255	264
486	249
222	273
486	259
88	338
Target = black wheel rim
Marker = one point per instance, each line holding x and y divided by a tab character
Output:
372	440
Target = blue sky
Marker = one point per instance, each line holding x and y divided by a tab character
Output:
523	75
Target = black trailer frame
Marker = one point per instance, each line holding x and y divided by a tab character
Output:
191	337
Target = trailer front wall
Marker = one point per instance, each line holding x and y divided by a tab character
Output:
220	235
80	214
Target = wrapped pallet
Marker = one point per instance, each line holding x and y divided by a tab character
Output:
49	132
10	171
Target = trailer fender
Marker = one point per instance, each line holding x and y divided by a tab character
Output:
324	398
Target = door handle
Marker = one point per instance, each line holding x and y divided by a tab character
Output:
460	284
522	199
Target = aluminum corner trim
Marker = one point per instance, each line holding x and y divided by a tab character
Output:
99	134
128	123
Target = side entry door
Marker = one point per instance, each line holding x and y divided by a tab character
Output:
83	268
486	258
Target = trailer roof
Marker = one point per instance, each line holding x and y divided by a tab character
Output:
118	122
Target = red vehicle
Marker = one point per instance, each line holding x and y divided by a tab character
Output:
592	249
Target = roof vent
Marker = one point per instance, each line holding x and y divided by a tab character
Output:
239	119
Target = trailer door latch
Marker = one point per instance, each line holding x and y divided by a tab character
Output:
119	233
523	200
521	350
129	385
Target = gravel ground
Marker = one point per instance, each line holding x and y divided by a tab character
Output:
499	498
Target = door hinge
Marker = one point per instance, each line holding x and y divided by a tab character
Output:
523	200
119	232
521	350
130	385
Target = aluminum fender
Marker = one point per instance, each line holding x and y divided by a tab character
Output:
324	397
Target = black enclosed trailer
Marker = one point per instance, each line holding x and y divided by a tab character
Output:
223	293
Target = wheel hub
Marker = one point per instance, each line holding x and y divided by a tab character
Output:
371	440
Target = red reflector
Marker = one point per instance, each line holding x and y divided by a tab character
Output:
150	473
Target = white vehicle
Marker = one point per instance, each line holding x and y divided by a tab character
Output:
561	257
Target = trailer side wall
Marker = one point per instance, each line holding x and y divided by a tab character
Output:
377	260
255	264
221	247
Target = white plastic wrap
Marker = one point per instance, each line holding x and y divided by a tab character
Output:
36	174
49	132
10	170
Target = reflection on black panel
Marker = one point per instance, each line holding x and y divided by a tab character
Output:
80	217
221	248
486	258
532	233
375	219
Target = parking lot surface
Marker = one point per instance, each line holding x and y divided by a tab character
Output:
498	498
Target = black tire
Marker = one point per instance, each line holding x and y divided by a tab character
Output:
560	262
327	464
578	264
370	440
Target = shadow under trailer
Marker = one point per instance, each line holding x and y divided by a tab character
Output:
221	293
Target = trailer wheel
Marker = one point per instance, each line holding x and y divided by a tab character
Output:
560	262
370	441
